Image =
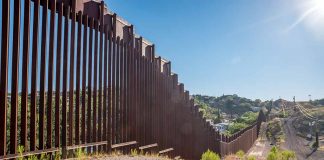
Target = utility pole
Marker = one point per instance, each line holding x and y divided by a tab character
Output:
295	103
310	97
316	134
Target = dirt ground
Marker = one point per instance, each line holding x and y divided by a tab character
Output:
299	145
261	146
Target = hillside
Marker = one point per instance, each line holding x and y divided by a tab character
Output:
230	106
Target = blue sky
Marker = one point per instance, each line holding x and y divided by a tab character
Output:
253	48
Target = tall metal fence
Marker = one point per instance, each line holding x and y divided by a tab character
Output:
74	75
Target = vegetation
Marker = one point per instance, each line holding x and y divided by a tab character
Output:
239	155
277	154
79	153
274	131
134	152
318	102
232	105
210	155
242	122
20	150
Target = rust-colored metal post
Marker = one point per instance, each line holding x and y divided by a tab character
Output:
14	80
24	89
84	78
78	72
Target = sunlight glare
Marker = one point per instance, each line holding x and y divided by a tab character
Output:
319	4
312	16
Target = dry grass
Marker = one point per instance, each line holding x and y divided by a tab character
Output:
117	155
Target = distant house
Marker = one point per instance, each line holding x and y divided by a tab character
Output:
221	127
256	109
210	121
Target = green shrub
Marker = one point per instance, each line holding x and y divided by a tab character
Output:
32	157
240	154
314	145
251	158
274	150
276	154
210	155
134	152
235	127
45	156
20	150
79	153
286	155
272	156
57	155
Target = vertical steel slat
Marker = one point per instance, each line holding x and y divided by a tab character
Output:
95	89
14	82
147	99
4	75
89	80
34	77
137	92
138	97
42	76
154	132
84	77
141	92
71	83
100	107
159	99
129	94
151	104
117	88
150	98
78	70
144	98
105	98
124	93
58	76
121	91
113	87
50	75
65	72
133	94
109	132
24	89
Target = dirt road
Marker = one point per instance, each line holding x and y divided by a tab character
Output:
299	145
262	146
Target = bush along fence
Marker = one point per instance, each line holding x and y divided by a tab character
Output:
74	75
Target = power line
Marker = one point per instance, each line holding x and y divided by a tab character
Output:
306	113
307	116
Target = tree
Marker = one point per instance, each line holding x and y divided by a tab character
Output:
229	104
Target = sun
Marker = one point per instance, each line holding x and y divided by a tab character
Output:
311	16
318	6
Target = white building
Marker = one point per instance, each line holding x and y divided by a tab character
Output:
221	127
